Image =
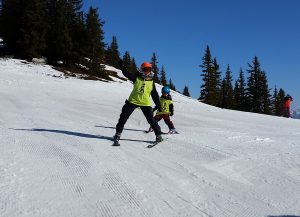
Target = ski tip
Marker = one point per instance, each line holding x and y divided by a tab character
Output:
164	133
156	143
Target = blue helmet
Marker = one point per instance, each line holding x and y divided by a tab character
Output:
165	89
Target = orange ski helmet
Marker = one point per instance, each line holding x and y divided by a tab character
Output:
146	65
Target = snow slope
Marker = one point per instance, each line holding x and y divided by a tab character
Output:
57	159
296	113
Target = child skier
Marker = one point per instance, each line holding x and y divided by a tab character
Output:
286	106
143	88
167	110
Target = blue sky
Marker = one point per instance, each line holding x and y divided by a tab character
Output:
236	31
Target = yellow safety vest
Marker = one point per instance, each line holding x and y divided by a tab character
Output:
141	92
165	106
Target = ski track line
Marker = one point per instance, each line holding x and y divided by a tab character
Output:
121	192
105	210
125	194
263	204
76	168
157	171
106	207
280	195
189	203
176	174
168	167
199	181
72	162
192	150
216	186
66	150
11	174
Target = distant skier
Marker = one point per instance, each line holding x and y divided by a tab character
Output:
167	110
143	88
286	112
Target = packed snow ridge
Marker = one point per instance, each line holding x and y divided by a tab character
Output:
57	159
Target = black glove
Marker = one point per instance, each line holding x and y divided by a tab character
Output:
159	109
155	108
120	63
172	113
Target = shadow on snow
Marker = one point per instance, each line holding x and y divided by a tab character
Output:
283	216
129	129
78	134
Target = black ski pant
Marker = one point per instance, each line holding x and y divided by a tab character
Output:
127	110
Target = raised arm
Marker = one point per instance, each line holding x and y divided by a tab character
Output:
126	73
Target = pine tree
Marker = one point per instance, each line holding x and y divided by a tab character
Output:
29	22
211	76
133	68
278	102
59	40
33	29
186	91
127	60
206	72
215	84
76	6
76	26
252	89
275	93
155	69
79	35
171	85
265	94
12	11
258	93
240	93
1	18
163	78
94	41
227	91
112	53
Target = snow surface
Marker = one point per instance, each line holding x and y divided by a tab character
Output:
57	159
296	113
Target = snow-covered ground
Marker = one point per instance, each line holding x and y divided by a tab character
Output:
296	113
57	159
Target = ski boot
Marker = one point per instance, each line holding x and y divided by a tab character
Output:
173	131
159	139
116	139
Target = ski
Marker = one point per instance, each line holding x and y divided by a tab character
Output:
156	143
173	132
164	133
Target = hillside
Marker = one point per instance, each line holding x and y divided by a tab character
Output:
57	159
